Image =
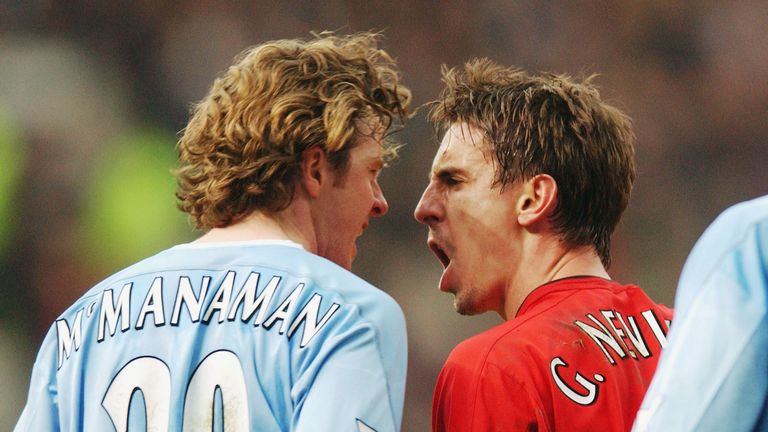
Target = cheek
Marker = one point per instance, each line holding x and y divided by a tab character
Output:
477	225
479	250
357	204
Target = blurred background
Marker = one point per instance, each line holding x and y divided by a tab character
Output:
93	94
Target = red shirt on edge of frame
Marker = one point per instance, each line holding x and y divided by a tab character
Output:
579	355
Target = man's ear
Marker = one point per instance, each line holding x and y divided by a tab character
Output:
313	174
537	201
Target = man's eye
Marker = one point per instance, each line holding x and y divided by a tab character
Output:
449	180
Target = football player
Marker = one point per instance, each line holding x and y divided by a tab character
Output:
531	177
258	325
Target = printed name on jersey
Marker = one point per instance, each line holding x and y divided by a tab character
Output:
618	339
115	310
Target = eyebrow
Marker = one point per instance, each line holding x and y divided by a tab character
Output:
377	161
444	171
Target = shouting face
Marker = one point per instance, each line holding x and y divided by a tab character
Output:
472	222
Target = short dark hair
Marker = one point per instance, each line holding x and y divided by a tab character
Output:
549	124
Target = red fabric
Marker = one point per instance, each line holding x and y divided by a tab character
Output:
503	379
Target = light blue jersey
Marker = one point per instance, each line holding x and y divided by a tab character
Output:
713	375
251	336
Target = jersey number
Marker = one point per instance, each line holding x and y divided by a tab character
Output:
219	370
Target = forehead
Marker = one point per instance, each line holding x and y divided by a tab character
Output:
463	145
368	138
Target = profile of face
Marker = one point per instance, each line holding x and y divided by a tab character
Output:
473	227
350	197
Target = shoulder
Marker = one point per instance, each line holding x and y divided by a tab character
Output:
504	343
364	314
482	373
569	298
730	229
730	248
486	341
745	213
368	300
735	223
470	360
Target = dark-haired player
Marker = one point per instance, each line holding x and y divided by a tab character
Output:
527	186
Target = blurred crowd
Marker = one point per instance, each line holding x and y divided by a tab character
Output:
93	95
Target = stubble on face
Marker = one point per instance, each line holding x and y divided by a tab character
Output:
463	304
464	230
470	300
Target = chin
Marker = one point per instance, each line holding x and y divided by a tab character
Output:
464	307
468	302
467	311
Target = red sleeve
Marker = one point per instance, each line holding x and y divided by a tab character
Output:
476	396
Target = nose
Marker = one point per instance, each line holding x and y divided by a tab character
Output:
428	209
380	206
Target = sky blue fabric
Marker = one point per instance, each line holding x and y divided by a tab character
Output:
248	336
713	374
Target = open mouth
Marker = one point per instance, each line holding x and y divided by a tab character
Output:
439	253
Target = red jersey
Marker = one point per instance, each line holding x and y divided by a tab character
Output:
579	356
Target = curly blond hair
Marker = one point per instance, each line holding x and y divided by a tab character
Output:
549	124
242	147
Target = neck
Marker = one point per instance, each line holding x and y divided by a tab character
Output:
564	263
283	225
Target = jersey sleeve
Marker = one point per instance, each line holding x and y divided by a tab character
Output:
356	381
41	410
719	338
475	396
